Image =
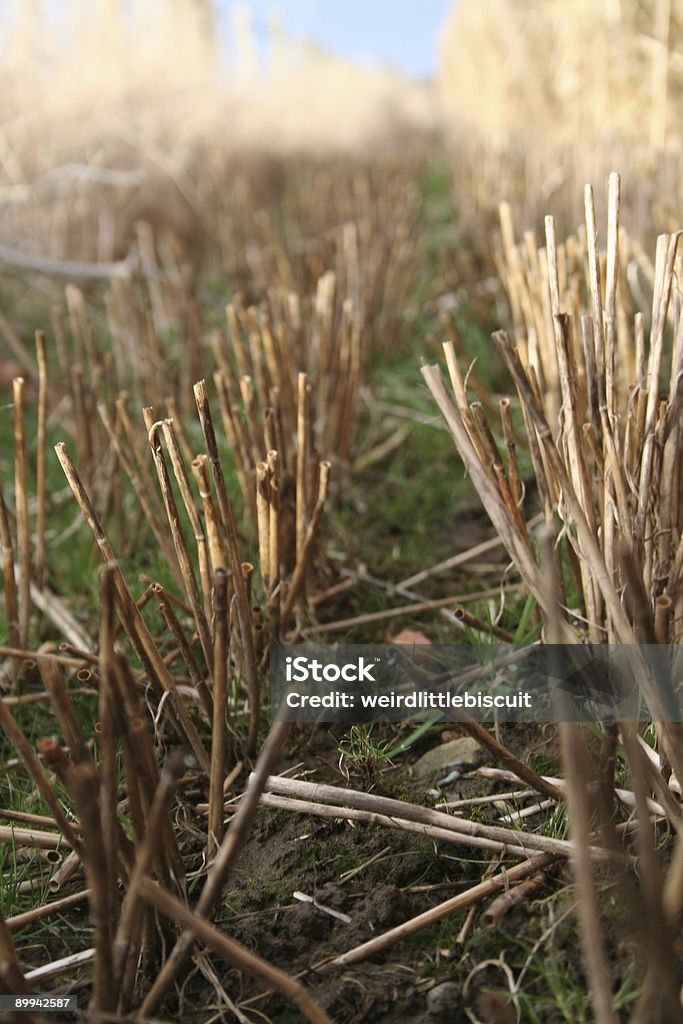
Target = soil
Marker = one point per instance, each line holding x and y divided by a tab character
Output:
289	853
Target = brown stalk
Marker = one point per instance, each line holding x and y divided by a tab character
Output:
460	902
478	842
217	552
195	521
392	613
129	612
41	568
144	492
35	770
184	560
499	907
303	553
111	728
274	538
262	515
10	583
335	796
83	784
234	953
181	640
242	603
11	975
302	455
222	863
21	501
495	507
574	760
37	913
128	932
659	1002
221	654
66	715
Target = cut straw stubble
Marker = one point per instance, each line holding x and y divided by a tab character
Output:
243	606
221	652
131	617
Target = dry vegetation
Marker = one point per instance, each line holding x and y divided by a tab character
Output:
198	337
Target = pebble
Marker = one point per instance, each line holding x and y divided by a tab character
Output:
462	754
443	1001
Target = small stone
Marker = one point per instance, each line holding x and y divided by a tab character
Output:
443	1001
462	754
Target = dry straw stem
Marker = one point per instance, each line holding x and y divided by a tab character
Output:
502	880
234	953
660	998
127	937
110	728
302	454
335	796
574	759
221	655
129	612
443	835
297	582
11	974
178	634
83	784
26	753
10	584
144	491
184	560
217	552
41	455
223	861
243	605
21	501
31	837
54	907
499	907
193	514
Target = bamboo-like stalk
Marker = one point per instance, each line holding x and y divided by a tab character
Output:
68	720
337	797
110	729
217	552
130	613
188	657
189	502
302	454
433	832
53	907
83	784
660	998
21	501
303	553
242	604
9	579
221	654
34	768
179	543
41	456
144	492
262	511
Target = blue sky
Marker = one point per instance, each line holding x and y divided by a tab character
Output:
400	33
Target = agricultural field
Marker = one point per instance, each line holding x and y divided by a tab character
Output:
402	378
